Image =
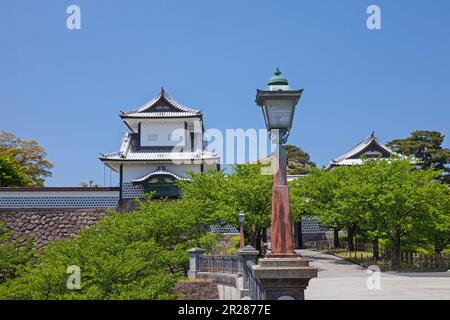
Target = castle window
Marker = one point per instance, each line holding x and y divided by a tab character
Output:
152	137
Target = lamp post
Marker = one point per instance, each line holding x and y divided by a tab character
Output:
241	218
278	106
283	274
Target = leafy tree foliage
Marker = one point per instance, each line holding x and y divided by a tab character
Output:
136	255
11	173
14	255
383	199
427	147
29	155
222	196
299	161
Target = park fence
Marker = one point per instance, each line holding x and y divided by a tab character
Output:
363	255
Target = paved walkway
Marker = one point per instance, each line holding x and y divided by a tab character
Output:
340	280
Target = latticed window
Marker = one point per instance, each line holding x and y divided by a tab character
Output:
163	189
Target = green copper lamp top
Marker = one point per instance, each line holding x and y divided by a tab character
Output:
277	79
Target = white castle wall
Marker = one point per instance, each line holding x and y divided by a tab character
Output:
162	132
135	171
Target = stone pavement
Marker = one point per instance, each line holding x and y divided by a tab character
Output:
340	280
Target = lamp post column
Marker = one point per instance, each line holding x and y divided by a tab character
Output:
282	240
242	242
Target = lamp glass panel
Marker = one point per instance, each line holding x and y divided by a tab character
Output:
279	116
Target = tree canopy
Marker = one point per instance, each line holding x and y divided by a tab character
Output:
30	156
14	254
381	198
427	147
136	255
298	160
11	173
222	196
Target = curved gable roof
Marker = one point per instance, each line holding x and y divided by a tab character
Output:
162	106
370	143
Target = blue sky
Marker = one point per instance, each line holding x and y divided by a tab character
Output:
65	88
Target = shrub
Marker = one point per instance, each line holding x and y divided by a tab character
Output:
137	255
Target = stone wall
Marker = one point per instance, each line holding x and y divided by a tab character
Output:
49	224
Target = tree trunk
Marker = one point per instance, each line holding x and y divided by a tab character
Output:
395	256
264	235
350	238
376	249
439	246
336	243
257	244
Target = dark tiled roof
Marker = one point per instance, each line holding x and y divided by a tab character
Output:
352	156
162	106
130	150
161	171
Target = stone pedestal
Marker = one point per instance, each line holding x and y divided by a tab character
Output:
284	278
247	254
194	262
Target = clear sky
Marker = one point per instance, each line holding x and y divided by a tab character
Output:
65	88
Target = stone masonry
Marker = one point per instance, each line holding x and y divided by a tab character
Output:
50	224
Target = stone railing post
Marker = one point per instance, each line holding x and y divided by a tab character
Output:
194	262
247	253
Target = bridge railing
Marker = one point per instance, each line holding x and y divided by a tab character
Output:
257	291
240	265
223	264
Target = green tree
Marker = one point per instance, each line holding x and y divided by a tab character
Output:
325	194
381	198
11	173
427	147
299	161
435	233
222	196
404	201
14	255
29	155
136	255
